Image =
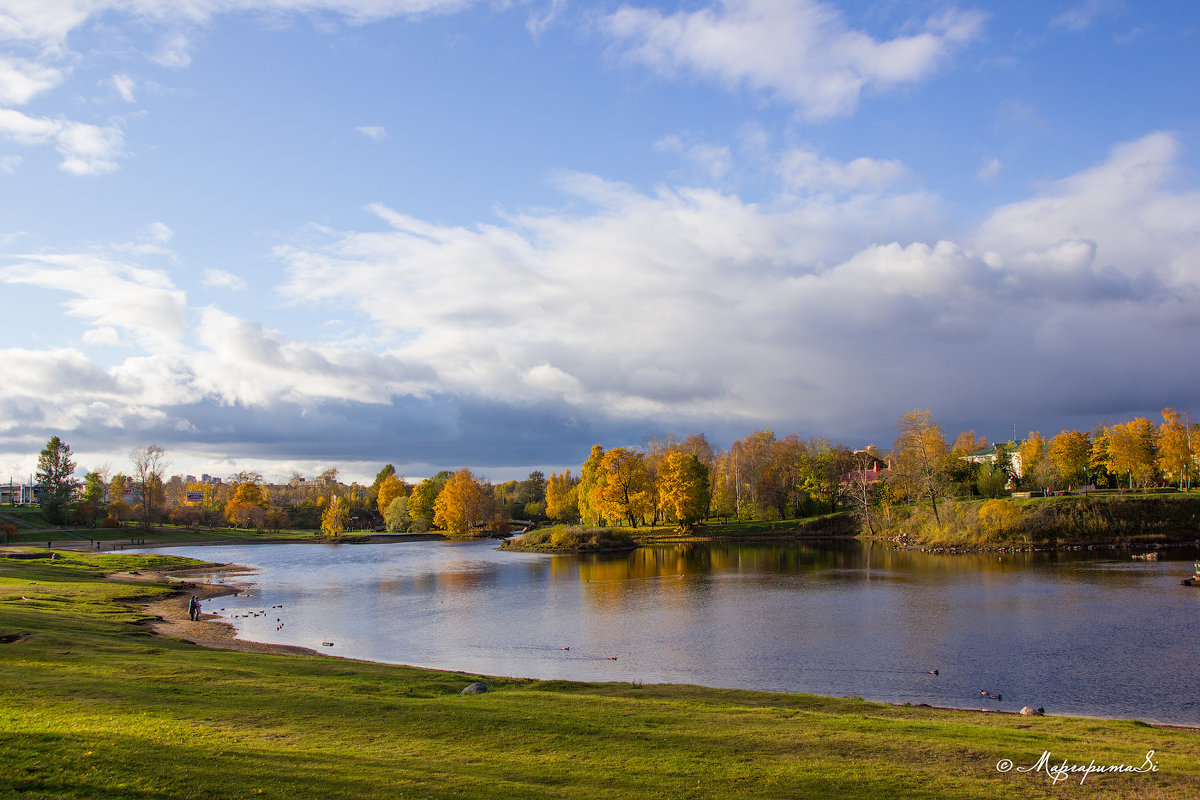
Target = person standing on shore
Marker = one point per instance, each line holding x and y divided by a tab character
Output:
193	608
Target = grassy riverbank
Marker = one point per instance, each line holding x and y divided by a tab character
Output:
96	706
1137	520
570	539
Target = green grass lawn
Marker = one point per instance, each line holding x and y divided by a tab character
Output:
93	705
130	535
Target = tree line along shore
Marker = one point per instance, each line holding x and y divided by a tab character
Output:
1075	486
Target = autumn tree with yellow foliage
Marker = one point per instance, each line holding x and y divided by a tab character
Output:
623	489
1130	451
389	489
335	518
562	497
1070	453
1177	448
682	488
248	508
461	504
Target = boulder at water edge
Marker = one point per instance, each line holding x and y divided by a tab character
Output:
1026	711
475	688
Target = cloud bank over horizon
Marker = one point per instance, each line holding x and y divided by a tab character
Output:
763	275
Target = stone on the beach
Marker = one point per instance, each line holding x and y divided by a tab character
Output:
1026	711
475	688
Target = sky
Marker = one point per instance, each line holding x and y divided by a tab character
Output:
289	235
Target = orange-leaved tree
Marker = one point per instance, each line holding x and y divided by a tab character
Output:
461	504
248	507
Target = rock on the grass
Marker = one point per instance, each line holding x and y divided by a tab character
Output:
475	688
1026	711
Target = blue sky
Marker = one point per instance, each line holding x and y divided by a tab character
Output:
293	234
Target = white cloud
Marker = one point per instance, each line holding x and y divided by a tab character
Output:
24	129
552	379
22	80
694	304
819	313
124	85
990	170
807	170
46	26
50	22
376	133
1134	227
86	149
713	161
89	149
243	362
1080	17
159	232
109	293
802	52
220	279
174	50
104	335
537	23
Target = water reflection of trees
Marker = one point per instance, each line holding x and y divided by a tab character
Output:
831	561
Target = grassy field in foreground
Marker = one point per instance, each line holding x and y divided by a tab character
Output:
93	705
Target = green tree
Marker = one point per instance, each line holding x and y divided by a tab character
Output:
388	471
395	516
828	465
54	469
420	502
991	480
91	498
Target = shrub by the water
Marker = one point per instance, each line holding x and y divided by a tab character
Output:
1044	521
571	538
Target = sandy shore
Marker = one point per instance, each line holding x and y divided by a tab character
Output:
210	631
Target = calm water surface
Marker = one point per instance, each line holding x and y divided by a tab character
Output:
1095	634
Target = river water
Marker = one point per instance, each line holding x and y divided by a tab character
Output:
1083	633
